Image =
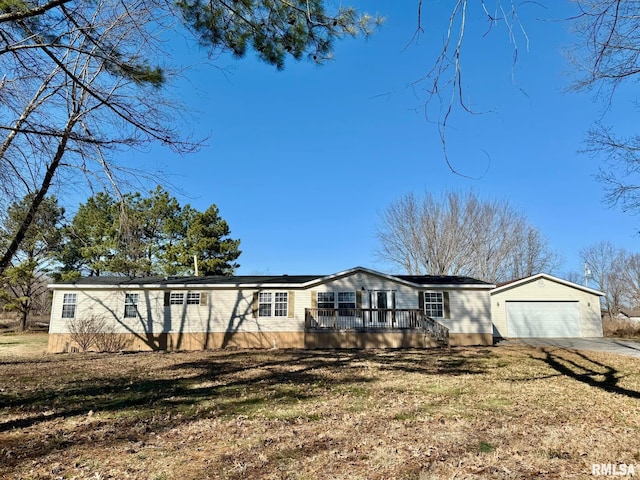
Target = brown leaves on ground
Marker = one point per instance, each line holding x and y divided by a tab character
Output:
501	412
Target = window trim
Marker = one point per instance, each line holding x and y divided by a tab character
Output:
273	304
265	302
336	302
193	298
65	303
281	304
184	297
428	300
176	298
324	302
131	300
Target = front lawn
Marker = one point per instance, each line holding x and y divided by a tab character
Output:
510	412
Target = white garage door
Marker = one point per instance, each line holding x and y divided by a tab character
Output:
543	319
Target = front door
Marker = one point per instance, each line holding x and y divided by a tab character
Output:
380	305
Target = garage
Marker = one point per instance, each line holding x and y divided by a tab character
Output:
545	306
543	319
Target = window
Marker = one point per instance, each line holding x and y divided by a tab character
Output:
130	305
345	300
281	304
347	303
69	305
434	304
326	300
273	302
193	298
264	305
176	298
180	298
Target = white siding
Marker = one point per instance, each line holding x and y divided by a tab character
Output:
231	310
469	308
226	310
470	312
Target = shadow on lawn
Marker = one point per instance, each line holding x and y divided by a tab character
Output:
226	384
228	371
587	372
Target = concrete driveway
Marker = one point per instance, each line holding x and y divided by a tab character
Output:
611	345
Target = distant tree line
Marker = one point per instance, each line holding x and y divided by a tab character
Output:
133	236
615	272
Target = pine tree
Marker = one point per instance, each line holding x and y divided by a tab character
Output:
208	239
25	278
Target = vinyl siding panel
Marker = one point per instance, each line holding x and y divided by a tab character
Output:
470	312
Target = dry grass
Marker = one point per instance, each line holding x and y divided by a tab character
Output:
620	328
9	323
23	345
506	412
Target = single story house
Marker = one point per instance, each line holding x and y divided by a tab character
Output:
356	308
545	306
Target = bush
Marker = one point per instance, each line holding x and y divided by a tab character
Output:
617	327
110	342
84	330
89	333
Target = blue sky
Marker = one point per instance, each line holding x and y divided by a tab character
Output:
301	162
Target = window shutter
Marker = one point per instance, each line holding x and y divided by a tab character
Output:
358	298
445	299
421	301
314	299
290	312
203	298
167	298
254	307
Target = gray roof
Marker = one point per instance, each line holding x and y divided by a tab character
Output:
239	280
204	280
441	280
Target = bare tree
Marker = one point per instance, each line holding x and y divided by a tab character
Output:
442	83
631	279
530	253
461	235
79	89
80	81
605	54
607	264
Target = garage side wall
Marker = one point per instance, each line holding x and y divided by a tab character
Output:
547	290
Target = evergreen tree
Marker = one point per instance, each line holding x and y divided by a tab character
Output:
25	278
90	241
144	236
208	239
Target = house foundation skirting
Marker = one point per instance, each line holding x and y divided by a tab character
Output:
64	342
468	339
347	339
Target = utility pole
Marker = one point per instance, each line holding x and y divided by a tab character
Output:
587	274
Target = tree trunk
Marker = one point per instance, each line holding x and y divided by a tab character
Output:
22	325
38	197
